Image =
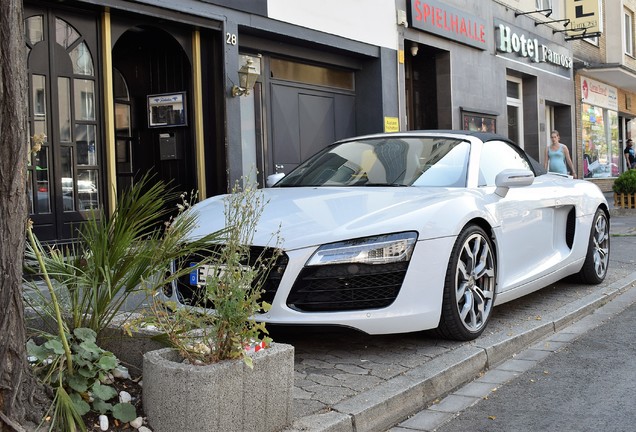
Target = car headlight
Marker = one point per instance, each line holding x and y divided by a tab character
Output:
381	249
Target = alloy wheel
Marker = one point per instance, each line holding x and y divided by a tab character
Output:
475	282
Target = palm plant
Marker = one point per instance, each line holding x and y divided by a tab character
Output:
118	256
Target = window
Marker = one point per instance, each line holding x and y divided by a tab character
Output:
497	156
544	4
310	74
514	93
601	153
628	35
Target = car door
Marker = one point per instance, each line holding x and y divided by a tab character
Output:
527	216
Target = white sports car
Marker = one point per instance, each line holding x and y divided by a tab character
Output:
401	232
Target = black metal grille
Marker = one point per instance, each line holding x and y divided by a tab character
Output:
346	287
194	296
570	228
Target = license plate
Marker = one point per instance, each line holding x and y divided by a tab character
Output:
199	275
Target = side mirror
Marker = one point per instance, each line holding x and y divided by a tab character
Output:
274	178
511	178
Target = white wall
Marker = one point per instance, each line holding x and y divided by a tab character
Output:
369	21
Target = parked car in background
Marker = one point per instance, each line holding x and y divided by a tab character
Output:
401	232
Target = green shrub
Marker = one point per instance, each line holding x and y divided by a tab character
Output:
234	290
625	183
114	257
89	380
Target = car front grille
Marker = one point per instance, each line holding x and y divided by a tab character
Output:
194	296
346	287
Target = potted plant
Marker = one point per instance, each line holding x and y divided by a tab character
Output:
222	371
624	188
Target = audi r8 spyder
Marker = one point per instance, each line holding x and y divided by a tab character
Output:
401	232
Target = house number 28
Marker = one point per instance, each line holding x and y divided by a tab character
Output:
230	38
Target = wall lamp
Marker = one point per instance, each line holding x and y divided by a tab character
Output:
248	74
414	48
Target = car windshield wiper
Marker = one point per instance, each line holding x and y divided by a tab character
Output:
383	184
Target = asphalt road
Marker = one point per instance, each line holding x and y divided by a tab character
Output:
586	386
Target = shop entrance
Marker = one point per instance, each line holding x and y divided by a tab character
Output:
426	75
152	93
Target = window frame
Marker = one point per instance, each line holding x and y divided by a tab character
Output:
516	103
543	4
628	33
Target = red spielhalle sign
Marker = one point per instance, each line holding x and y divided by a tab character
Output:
434	17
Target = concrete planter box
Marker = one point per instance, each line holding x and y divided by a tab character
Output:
226	396
626	201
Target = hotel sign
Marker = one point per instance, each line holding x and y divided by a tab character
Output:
515	42
583	14
438	18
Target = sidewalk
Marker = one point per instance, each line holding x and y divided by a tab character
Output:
348	382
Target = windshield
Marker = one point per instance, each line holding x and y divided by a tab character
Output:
399	161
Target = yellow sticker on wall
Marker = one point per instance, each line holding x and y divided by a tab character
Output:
391	124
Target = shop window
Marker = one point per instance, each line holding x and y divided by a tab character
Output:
628	34
601	153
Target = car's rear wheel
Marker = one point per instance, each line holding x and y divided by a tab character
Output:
594	269
469	288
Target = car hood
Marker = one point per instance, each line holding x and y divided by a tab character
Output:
310	216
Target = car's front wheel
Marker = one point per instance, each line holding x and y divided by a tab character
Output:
469	288
597	259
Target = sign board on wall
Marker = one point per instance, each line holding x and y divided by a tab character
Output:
391	124
435	17
583	14
598	94
519	44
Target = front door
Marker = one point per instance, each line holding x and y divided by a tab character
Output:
64	179
312	106
152	93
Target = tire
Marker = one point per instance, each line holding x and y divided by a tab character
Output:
596	262
469	287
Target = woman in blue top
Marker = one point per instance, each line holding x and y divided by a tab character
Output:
557	156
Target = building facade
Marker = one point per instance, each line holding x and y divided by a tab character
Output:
122	88
605	86
126	88
489	66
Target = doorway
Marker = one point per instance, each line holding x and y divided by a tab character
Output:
152	88
311	107
425	79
